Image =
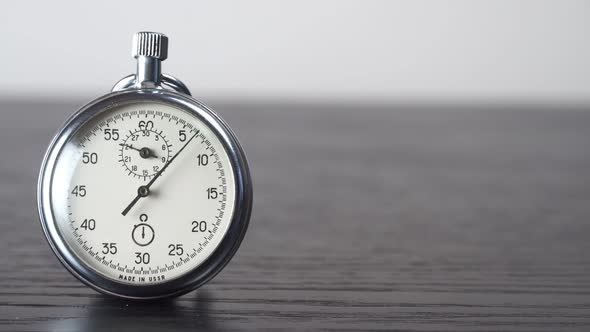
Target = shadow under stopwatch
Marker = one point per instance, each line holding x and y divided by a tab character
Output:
188	313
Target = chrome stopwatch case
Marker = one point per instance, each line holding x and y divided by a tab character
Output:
145	192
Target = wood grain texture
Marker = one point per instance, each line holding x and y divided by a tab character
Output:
365	218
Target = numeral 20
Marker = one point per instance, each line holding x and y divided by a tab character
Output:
199	226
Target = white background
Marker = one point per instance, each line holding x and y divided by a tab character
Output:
377	50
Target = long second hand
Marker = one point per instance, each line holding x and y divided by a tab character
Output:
144	190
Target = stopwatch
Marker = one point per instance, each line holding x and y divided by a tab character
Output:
145	192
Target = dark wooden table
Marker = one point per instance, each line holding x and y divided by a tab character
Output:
365	218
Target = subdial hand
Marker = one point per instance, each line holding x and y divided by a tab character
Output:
144	191
143	152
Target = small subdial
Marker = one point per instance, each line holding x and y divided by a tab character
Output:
144	152
143	234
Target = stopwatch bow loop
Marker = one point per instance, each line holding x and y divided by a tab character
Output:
150	49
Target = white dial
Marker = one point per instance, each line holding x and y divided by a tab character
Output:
143	193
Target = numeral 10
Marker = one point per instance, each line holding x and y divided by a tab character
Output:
202	160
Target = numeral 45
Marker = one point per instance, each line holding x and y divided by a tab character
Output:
79	190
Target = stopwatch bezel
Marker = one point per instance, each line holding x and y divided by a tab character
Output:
222	254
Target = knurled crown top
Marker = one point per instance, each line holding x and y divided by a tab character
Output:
150	44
